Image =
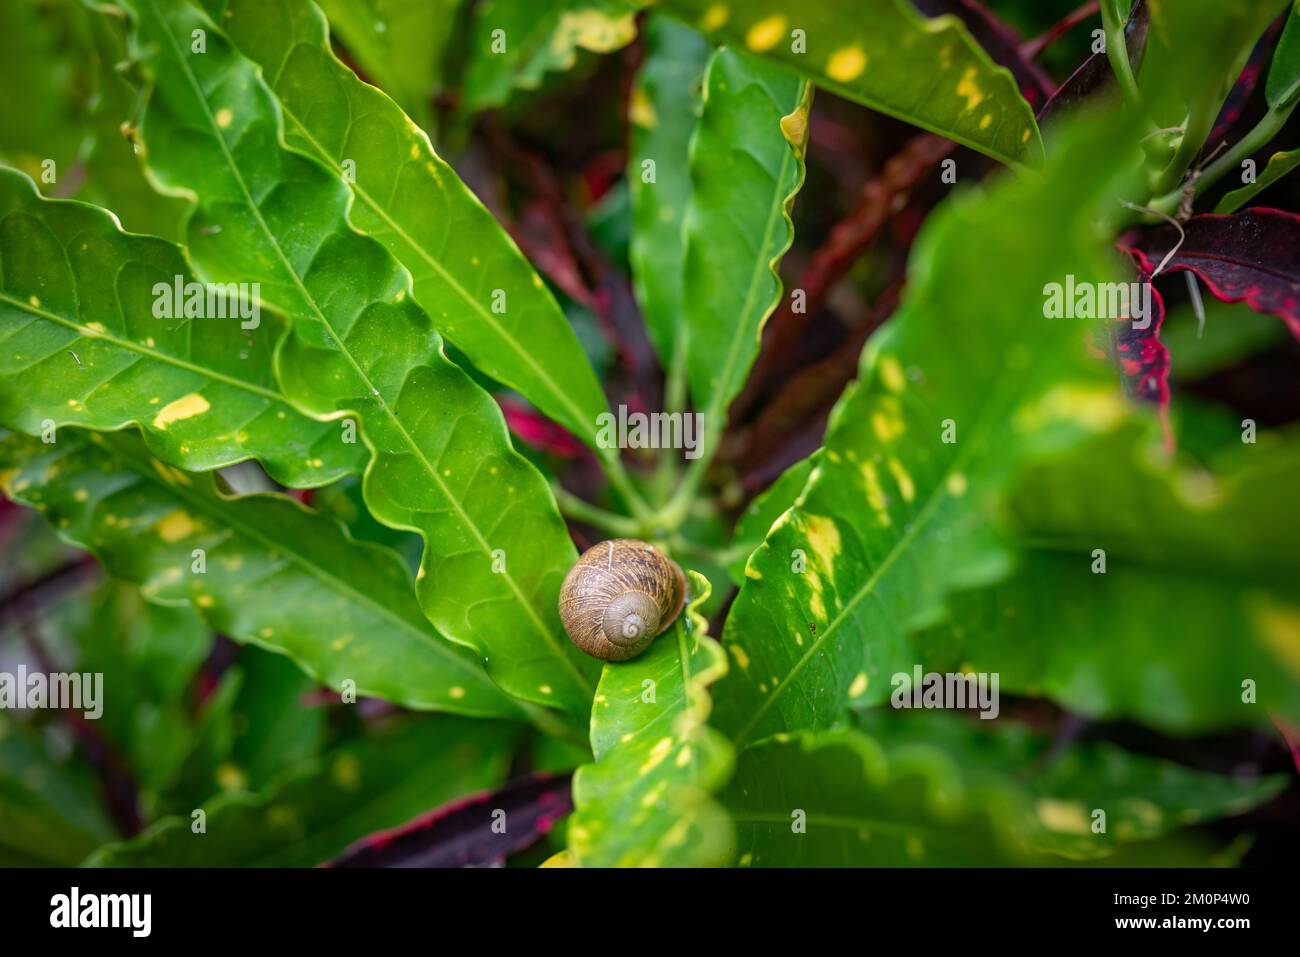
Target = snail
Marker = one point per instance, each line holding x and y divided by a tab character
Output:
618	596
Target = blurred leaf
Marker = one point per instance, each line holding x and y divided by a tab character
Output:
398	43
858	806
49	815
275	728
1199	593
885	55
662	117
481	831
496	549
516	42
747	164
655	752
829	598
1061	789
755	522
1233	332
1181	72
1283	84
314	813
83	347
151	654
277	574
407	198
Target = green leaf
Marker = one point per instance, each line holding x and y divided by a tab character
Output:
413	202
1283	84
496	549
152	653
747	164
315	812
1190	557
48	814
1279	164
858	806
515	43
276	574
761	514
1182	72
82	346
939	790
654	751
966	379
885	55
1061	788
398	43
662	117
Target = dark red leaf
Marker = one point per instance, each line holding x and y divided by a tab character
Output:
1096	74
479	831
1252	257
1245	86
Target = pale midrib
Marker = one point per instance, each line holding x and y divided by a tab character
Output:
87	333
559	395
937	494
531	612
312	570
765	267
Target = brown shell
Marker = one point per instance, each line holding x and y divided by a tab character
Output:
641	583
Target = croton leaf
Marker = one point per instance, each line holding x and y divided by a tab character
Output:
1252	257
1282	87
762	513
260	568
467	273
496	549
1062	787
654	750
479	831
83	345
398	43
836	799
1182	73
885	55
895	512
747	164
316	811
1279	165
48	813
1122	613
515	43
662	117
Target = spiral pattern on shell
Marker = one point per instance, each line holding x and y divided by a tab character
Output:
618	596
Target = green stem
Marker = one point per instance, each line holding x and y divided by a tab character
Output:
1117	54
1259	137
582	511
1200	119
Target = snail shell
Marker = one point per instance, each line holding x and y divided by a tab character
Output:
618	596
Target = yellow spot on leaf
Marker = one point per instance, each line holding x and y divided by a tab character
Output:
205	601
183	408
891	374
176	526
824	540
970	89
846	64
752	572
224	117
766	33
859	686
714	17
956	484
742	659
906	487
641	111
1066	816
456	691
